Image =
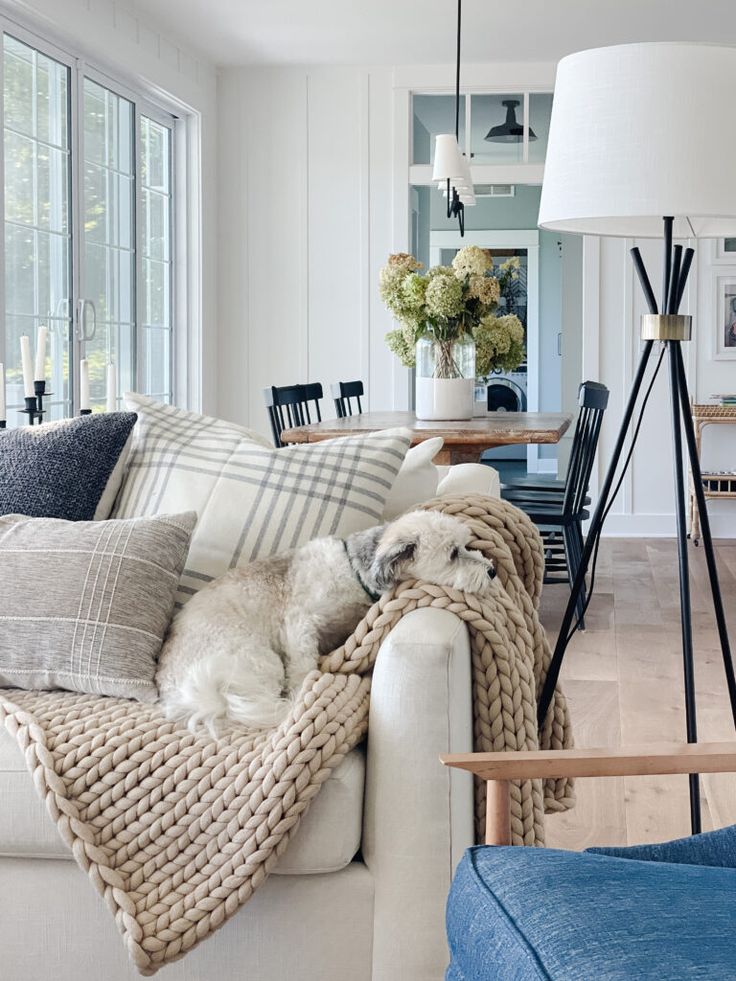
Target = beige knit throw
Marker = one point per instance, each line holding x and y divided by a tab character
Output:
177	832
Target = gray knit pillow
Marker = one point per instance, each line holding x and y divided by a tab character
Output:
70	469
85	604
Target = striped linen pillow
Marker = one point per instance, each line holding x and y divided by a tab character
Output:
95	620
252	500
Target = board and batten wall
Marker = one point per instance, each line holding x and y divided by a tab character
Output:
612	308
305	224
308	159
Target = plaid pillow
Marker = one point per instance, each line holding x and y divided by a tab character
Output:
95	621
252	500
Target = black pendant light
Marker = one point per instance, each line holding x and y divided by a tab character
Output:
510	131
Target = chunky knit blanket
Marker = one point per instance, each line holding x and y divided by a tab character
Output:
177	831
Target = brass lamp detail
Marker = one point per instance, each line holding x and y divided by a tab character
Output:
666	327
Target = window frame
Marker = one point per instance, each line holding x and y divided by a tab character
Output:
142	106
184	368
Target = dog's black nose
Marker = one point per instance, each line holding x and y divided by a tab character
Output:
491	573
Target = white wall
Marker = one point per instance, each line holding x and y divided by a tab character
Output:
112	35
306	156
613	305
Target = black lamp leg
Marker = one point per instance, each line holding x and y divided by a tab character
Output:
707	538
685	606
553	672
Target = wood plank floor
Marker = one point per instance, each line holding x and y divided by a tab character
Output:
623	679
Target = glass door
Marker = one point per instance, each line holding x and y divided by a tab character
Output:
155	306
37	213
106	312
88	232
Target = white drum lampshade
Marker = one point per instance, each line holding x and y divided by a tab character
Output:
638	132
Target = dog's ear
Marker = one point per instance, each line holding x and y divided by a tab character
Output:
362	547
388	562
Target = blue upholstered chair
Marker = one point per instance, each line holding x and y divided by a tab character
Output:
656	912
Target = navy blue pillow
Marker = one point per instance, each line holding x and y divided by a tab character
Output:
61	469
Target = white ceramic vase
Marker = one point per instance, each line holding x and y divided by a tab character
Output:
445	398
445	378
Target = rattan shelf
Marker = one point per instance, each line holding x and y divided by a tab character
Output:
716	485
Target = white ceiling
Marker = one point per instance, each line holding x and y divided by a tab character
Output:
403	32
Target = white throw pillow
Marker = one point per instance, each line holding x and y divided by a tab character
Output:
469	478
115	480
252	500
417	480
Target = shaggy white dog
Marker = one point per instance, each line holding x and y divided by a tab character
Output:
242	646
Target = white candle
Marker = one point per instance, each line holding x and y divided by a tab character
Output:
83	384
25	356
112	388
2	391
40	373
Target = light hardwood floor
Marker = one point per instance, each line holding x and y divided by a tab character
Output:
623	679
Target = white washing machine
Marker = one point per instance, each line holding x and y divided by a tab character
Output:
503	392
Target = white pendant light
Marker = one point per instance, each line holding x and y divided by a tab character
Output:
451	167
467	177
448	161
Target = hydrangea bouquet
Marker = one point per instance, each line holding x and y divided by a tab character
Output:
451	302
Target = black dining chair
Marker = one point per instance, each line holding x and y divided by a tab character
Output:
558	508
342	393
288	406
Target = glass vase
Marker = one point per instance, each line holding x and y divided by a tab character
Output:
445	377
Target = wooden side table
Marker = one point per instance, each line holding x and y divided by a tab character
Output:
716	486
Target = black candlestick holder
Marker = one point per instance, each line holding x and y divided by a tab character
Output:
31	409
34	403
39	389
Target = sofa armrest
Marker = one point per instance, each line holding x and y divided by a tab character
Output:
418	816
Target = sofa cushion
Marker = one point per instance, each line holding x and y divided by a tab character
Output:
524	913
710	848
468	478
326	840
97	622
252	500
417	479
69	469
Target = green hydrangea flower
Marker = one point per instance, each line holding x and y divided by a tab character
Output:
403	346
472	261
444	296
499	344
414	290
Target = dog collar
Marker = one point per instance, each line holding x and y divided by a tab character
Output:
356	572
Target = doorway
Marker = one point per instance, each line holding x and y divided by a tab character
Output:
504	220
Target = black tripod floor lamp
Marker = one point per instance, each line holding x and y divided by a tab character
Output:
640	147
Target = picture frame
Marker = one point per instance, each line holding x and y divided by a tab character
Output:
724	347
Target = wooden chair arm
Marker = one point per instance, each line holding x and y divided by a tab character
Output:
498	768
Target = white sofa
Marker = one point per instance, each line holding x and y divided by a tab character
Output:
359	894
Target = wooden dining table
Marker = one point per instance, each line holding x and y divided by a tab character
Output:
465	440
